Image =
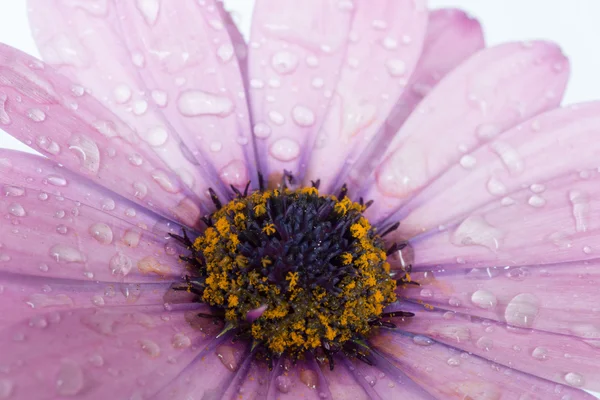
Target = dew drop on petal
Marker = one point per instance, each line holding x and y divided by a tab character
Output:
476	231
522	310
36	115
17	210
485	343
309	378
284	62
420	340
151	348
48	145
261	130
181	341
303	116
283	383
225	52
156	136
70	379
229	356
235	173
101	232
120	264
484	299
149	10
509	156
396	67
66	254
122	93
4	117
192	103
87	152
580	209
540	353
574	379
285	149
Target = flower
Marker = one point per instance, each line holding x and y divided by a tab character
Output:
136	262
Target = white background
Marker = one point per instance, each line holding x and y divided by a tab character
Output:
573	24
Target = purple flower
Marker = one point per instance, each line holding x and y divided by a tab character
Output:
134	264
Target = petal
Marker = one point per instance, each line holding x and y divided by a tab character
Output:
40	107
560	298
386	41
195	65
538	353
66	31
450	374
51	235
289	47
515	160
95	354
490	92
18	169
27	297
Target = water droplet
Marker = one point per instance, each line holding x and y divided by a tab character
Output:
276	117
159	97
285	149
87	152
580	209
149	10
574	379
225	52
484	299
17	210
235	173
485	343
6	388
262	130
152	349
389	43
181	341
215	146
496	187
108	204
468	161
48	145
132	237
140	107
4	117
509	156
120	264
122	93
457	333
540	353
284	62
38	321
475	231
229	356
396	67
283	383
156	136
101	232
522	310
98	300
66	254
62	229
536	201
309	378
140	190
167	182
135	159
518	273
192	103
36	115
426	293
96	360
70	379
420	340
303	116
150	264
453	361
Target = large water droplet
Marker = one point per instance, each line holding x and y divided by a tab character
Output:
66	254
70	379
303	116
122	93
13	191
149	10
509	156
522	310
309	378
36	115
120	264
101	232
574	379
484	299
457	333
151	348
261	130
229	356
167	182
181	341
192	103
580	209
422	340
283	383
4	117
485	343
475	231
87	152
150	264
284	62
235	173
156	136
396	67
225	52
17	210
540	353
285	149
132	237
48	145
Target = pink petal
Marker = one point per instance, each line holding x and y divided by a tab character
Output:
194	63
18	169
95	354
25	296
84	42
560	298
538	353
452	37
289	48
492	91
516	163
450	374
39	106
383	49
51	235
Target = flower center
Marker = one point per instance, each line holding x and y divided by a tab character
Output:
294	270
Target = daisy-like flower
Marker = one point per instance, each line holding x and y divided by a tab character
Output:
362	202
